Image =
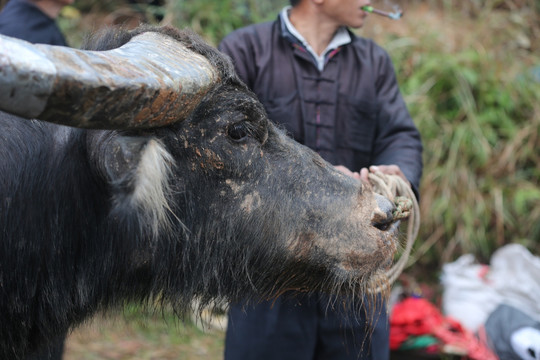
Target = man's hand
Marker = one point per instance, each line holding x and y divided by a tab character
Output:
364	172
385	169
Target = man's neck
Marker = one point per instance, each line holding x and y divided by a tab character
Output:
316	29
50	7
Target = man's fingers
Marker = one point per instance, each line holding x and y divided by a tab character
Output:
364	174
386	169
389	170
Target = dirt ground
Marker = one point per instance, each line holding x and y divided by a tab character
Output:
143	338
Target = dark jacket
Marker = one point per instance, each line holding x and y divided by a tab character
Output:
351	113
23	20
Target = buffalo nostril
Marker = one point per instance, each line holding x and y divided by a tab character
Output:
384	204
382	217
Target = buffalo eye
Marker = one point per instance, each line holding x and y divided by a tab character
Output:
238	131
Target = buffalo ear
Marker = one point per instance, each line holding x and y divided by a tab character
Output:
121	161
138	170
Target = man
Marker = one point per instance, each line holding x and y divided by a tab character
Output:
336	93
33	21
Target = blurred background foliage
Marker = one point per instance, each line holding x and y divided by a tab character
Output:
470	73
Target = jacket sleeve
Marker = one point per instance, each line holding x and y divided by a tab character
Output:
397	138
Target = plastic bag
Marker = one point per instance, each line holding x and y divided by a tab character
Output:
471	291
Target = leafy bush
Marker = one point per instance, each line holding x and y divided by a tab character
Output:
215	19
478	109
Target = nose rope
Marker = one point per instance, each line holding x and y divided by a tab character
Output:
401	194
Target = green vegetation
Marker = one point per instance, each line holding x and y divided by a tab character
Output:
215	19
471	89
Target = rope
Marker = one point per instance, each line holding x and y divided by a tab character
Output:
399	192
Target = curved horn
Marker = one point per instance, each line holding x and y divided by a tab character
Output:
151	81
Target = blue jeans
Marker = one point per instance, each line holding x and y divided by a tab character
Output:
306	329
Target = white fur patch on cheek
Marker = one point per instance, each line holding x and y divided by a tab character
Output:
152	191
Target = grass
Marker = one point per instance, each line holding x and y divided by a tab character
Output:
137	334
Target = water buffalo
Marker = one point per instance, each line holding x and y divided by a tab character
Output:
154	175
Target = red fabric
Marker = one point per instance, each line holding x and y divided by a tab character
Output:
412	316
417	316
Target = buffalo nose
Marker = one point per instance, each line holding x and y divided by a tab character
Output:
382	216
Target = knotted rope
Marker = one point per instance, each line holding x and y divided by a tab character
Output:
400	193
